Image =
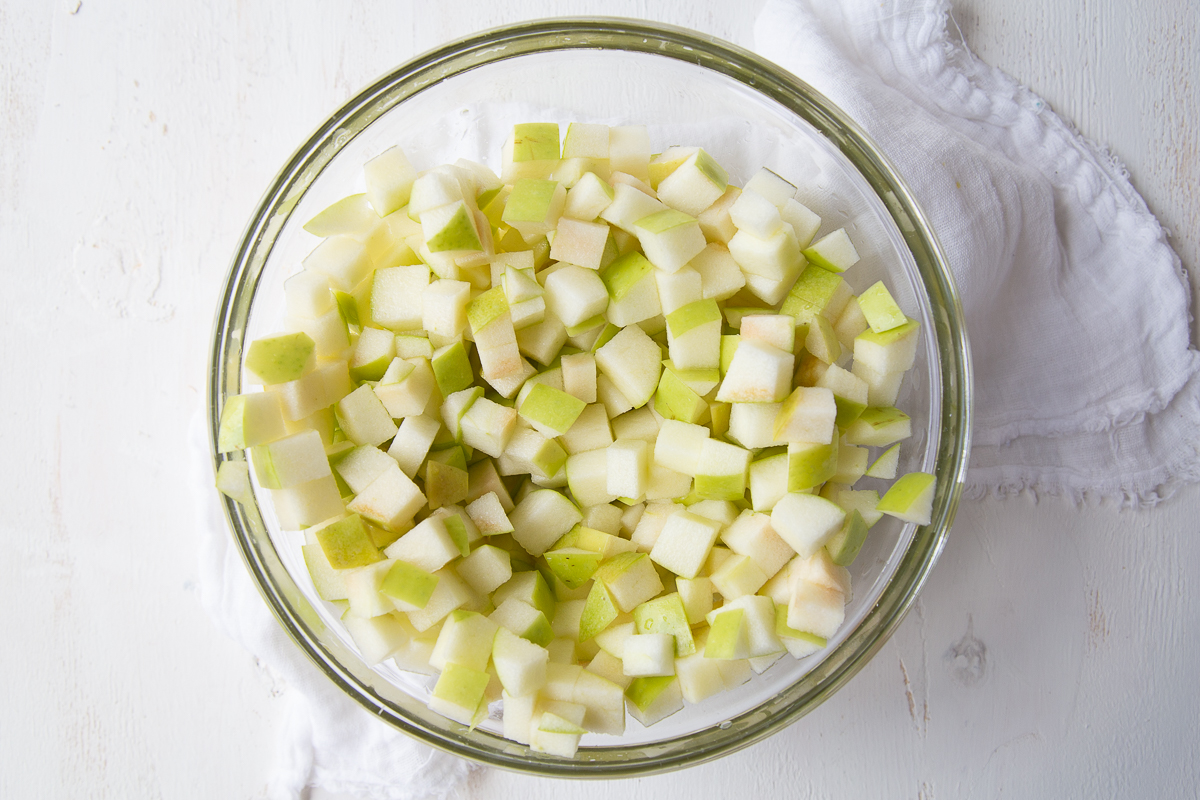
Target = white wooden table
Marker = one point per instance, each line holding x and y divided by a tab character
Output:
1053	653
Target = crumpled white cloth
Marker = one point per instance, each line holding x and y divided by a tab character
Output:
328	740
1076	306
1077	309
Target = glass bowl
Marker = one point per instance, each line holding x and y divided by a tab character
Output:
460	101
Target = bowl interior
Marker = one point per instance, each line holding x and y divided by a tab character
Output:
462	104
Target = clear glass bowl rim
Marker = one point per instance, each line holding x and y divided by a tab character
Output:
290	606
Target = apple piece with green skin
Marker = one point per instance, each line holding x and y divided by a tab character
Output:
652	700
768	479
675	400
363	418
409	587
530	451
535	207
880	309
436	188
520	664
771	259
738	576
541	518
885	466
466	639
629	205
445	484
632	290
450	595
728	635
806	521
519	285
817	292
799	643
373	354
684	543
758	373
550	411
389	178
759	620
248	420
427	546
893	351
845	545
910	498
678	446
488	426
307	503
529	587
576	295
669	238
694	335
850	393
406	387
342	259
556	735
308	295
350	215
879	427
459	695
666	162
816	609
395	296
751	535
290	461
599	611
524	620
329	582
587	477
573	566
834	252
531	151
450	228
452	369
851	464
280	359
721	471
633	362
631	579
811	464
752	425
233	481
694	185
359	466
588	198
345	543
667	614
808	415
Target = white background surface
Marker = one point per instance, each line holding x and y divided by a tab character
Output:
1053	653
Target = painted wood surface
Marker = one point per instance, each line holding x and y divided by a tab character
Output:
1051	655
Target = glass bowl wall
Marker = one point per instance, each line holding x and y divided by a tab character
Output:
460	101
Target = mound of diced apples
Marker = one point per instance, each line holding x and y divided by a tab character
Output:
583	435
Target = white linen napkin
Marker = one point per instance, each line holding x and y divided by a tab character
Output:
328	740
1076	306
1077	309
